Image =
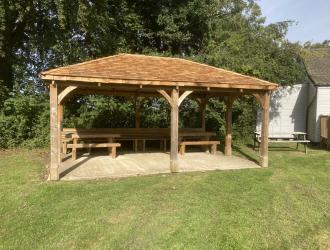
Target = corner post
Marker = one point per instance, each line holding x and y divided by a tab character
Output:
229	125
137	104
59	131
54	132
264	130
174	164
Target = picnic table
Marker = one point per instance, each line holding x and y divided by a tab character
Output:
137	135
294	137
182	136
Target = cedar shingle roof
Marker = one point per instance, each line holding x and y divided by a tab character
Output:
317	62
137	68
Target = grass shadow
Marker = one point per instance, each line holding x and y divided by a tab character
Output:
75	166
246	155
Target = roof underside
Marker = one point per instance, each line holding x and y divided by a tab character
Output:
154	70
317	62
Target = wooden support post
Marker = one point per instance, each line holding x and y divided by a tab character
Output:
229	125
54	132
203	112
59	136
174	100
264	130
174	163
137	105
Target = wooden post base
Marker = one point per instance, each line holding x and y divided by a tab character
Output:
174	166
54	173
264	161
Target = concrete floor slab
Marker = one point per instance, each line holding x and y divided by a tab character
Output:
135	164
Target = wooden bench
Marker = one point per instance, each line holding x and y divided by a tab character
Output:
112	148
212	144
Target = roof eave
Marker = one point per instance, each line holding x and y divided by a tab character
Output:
264	86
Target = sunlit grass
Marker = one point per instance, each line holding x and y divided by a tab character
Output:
284	206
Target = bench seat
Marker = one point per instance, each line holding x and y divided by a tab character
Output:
112	148
213	145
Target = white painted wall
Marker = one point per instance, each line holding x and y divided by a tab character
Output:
323	108
287	110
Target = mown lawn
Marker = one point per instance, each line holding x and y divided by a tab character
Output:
284	206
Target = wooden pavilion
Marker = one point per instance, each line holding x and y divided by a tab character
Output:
139	75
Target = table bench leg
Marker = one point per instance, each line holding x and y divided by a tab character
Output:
74	150
213	149
182	149
74	154
144	145
113	152
65	150
135	146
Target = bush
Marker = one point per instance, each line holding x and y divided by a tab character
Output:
24	121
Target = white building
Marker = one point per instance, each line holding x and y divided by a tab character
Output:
298	108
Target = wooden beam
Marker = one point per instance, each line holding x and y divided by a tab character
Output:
224	83
133	88
229	125
183	96
174	163
54	132
167	97
264	130
65	92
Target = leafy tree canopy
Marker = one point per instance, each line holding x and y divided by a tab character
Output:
41	34
38	34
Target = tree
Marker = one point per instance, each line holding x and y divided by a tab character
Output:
41	34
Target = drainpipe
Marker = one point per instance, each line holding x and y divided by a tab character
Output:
311	81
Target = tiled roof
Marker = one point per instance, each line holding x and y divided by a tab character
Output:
317	62
137	68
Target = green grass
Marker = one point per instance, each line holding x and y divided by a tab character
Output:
284	206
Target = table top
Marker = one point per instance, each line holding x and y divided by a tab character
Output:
299	133
111	135
197	134
282	135
97	135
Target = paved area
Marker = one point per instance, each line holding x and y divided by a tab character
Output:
135	164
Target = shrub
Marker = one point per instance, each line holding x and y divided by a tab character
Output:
24	121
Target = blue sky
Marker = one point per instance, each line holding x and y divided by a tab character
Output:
312	17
